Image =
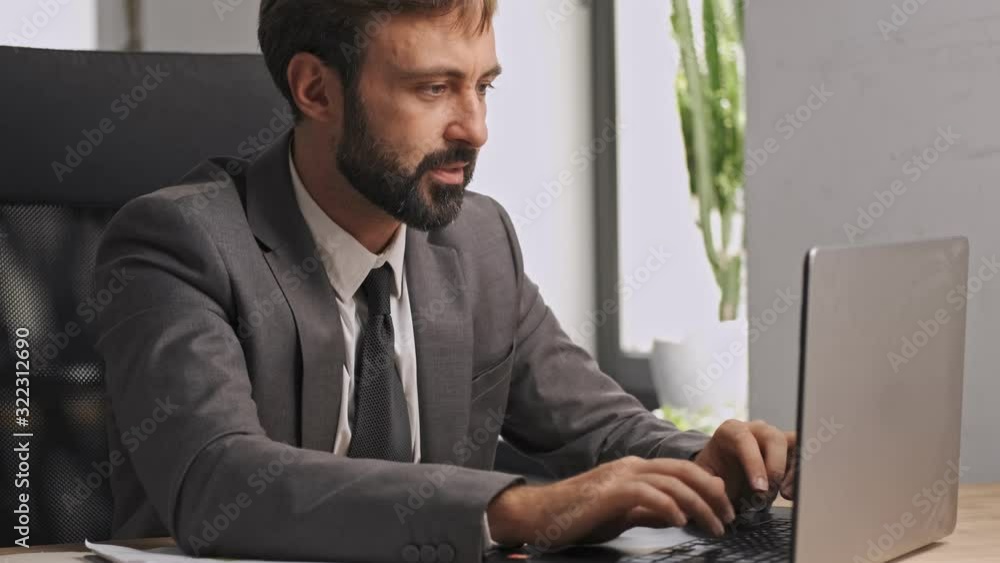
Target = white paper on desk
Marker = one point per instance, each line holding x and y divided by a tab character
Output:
117	554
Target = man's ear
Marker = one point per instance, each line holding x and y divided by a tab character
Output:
316	88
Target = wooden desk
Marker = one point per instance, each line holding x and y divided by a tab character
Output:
976	539
977	536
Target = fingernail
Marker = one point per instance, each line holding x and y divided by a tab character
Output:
760	484
730	516
719	530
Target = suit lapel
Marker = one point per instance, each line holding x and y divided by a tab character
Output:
441	311
291	253
442	330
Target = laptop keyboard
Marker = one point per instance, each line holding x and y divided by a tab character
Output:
764	543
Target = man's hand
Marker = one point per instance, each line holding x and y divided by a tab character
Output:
754	459
602	503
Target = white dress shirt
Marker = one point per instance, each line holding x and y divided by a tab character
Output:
347	264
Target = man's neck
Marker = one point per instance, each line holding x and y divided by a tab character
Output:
345	206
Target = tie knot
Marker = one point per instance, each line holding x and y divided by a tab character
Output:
377	287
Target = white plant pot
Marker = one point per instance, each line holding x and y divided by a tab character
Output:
707	370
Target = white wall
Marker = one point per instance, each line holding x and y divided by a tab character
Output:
539	118
891	94
49	24
654	197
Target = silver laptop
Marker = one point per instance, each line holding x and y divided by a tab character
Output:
879	418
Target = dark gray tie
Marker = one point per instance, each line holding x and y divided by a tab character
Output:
380	427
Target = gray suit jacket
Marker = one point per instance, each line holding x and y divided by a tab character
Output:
222	366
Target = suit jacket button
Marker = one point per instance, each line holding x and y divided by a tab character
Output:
411	554
446	553
428	554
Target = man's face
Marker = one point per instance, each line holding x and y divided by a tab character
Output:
416	118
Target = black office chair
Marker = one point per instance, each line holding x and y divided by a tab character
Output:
83	133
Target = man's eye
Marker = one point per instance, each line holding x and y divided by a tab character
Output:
435	89
484	87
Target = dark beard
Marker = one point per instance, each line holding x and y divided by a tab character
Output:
375	172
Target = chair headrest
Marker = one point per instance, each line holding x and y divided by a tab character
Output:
94	128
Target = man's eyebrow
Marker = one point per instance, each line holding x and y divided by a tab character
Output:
450	72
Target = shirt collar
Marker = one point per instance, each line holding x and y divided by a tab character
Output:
349	261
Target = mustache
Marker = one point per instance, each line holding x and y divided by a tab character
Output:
437	160
449	155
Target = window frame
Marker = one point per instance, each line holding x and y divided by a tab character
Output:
632	371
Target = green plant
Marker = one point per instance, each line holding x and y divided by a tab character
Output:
709	94
702	420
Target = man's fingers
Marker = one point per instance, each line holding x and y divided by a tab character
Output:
788	483
708	486
646	495
689	501
788	486
649	518
744	446
774	446
792	439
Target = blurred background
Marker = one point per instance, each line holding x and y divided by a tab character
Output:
618	135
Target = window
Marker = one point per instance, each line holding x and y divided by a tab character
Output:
654	279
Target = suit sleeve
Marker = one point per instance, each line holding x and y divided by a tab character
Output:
220	485
563	410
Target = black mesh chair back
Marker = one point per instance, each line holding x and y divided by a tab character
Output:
83	133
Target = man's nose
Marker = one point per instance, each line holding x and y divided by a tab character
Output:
469	123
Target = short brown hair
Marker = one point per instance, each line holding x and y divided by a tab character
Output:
338	31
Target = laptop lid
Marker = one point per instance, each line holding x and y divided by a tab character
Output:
880	398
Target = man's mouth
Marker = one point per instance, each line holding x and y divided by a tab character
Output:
453	173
